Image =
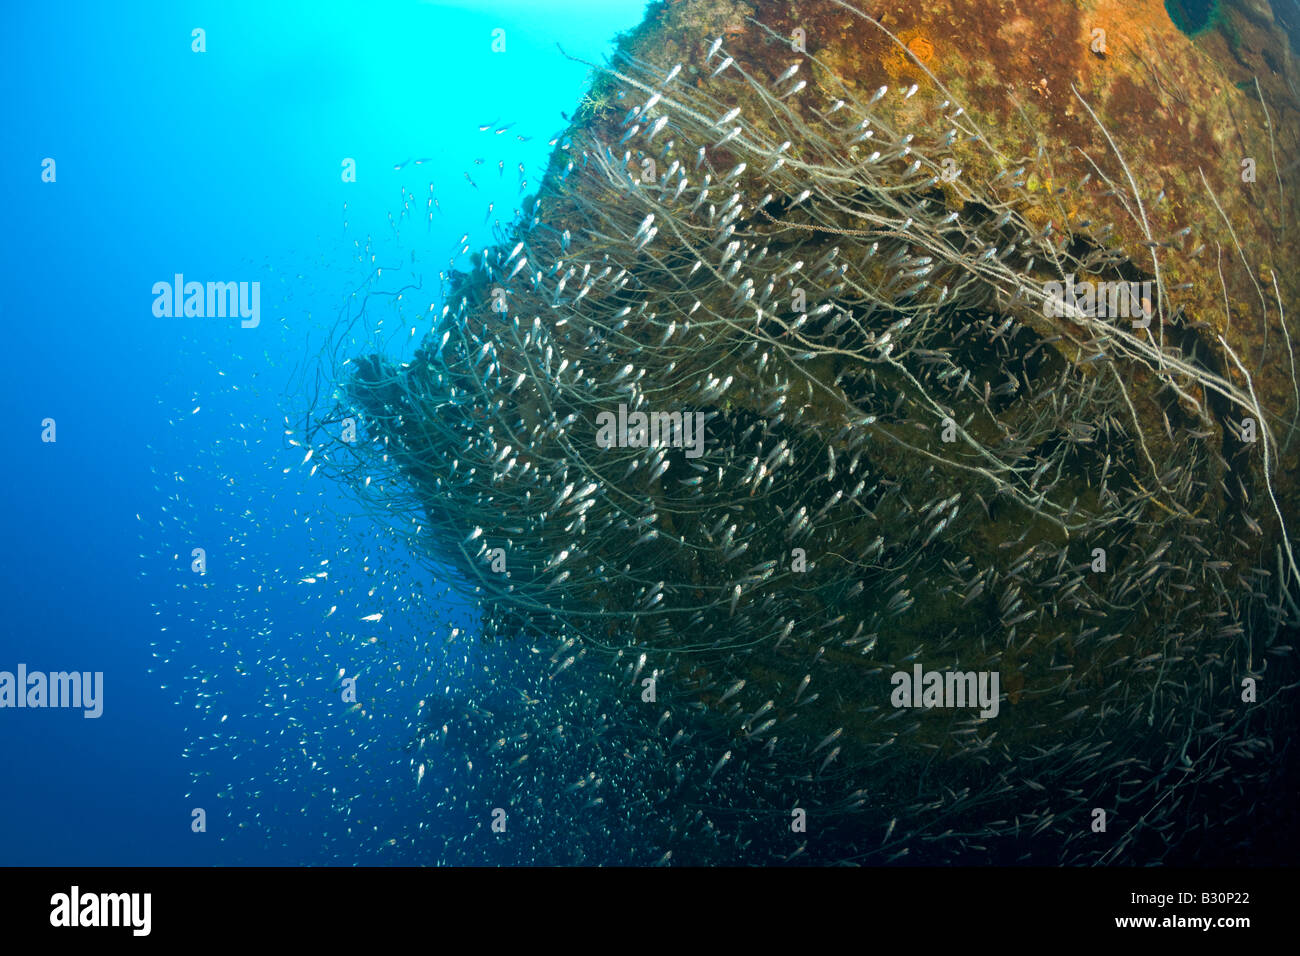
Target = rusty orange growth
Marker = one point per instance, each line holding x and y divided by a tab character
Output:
901	66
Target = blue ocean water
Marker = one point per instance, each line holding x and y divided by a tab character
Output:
287	674
227	165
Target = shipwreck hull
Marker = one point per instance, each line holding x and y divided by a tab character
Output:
914	451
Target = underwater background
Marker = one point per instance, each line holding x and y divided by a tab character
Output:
223	166
336	676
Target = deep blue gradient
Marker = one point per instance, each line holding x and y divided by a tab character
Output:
224	166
